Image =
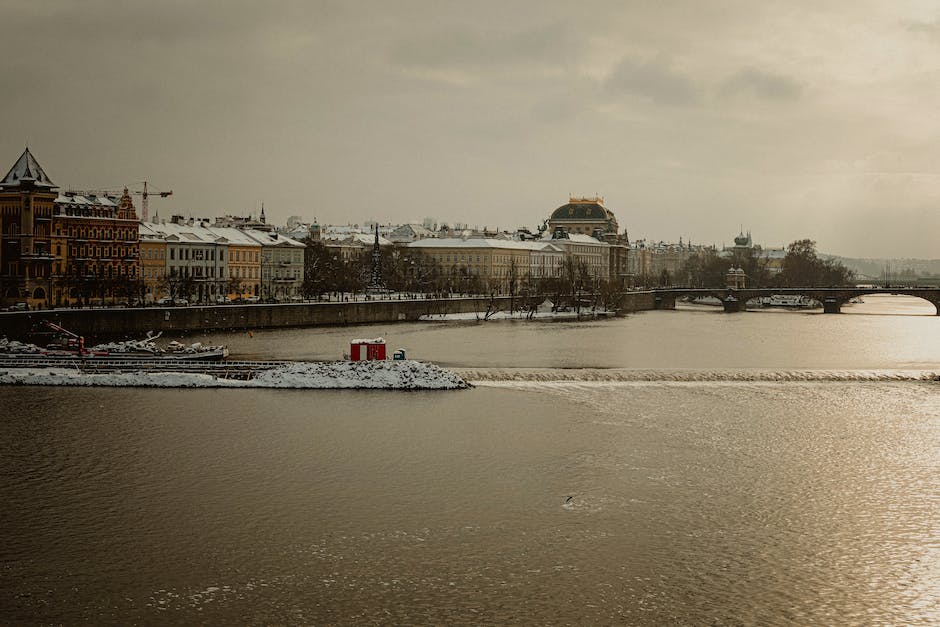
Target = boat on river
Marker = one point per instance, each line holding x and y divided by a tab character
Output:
791	301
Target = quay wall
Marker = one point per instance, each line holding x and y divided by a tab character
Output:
100	324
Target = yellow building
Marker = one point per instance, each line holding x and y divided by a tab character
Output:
152	263
244	262
491	263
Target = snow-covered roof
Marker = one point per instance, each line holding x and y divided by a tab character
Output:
455	242
190	233
412	230
367	239
575	238
26	170
272	239
233	236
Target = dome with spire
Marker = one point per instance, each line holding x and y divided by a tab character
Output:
742	240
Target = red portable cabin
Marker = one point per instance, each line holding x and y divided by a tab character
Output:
367	350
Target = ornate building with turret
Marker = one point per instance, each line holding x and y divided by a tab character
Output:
27	197
587	217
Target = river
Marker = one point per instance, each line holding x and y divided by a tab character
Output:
694	467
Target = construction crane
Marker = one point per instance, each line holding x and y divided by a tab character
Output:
144	206
144	194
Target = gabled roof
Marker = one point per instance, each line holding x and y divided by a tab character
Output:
183	233
26	171
233	236
365	239
272	239
79	200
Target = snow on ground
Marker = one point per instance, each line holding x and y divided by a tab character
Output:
14	347
381	375
519	315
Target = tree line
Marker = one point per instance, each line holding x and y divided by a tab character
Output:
801	267
405	270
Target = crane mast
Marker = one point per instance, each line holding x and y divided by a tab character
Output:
145	203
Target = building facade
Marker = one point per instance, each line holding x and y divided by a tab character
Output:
27	200
196	261
282	266
244	263
152	263
488	263
584	251
97	249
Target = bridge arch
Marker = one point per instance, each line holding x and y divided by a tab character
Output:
932	296
832	298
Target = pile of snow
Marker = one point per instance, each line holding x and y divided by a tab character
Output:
14	347
380	375
386	375
195	347
127	346
149	346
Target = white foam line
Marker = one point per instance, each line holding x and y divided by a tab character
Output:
615	376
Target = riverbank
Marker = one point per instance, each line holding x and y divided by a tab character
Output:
104	324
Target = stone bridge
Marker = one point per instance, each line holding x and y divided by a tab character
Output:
832	298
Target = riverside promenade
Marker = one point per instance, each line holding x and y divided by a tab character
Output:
113	323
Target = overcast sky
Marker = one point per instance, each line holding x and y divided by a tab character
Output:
816	119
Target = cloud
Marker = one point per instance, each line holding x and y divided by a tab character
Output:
654	80
930	29
762	84
466	48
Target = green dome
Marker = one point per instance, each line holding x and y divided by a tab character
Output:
581	211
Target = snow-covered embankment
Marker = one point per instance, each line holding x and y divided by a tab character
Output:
379	375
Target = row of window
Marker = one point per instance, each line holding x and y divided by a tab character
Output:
243	273
97	251
242	255
102	271
194	254
38	230
195	271
127	235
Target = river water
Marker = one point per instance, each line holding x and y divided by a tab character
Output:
686	466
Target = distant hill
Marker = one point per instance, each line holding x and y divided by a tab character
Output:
898	269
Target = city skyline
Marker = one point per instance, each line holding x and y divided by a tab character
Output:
795	121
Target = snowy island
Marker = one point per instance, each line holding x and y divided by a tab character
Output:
327	375
143	364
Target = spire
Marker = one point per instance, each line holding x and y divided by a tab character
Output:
376	280
262	219
26	172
